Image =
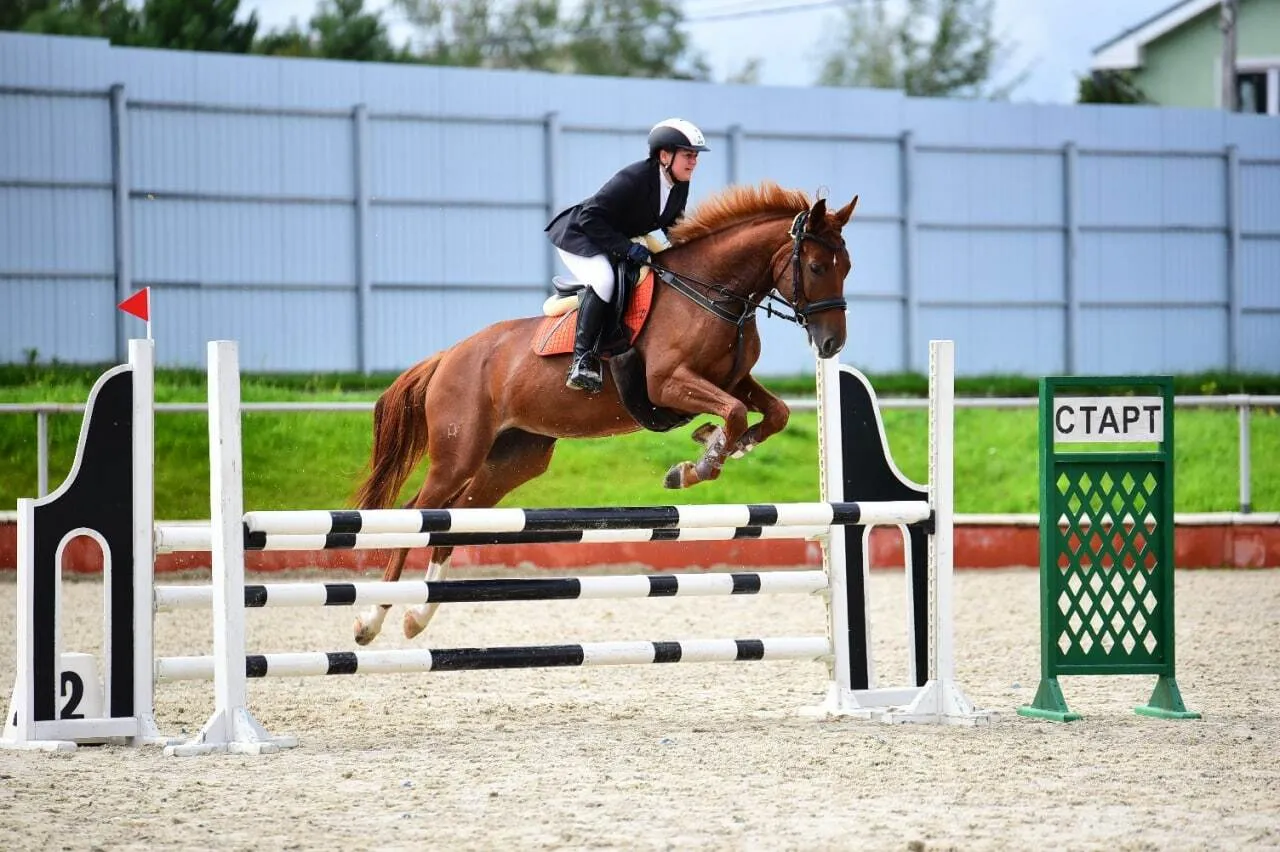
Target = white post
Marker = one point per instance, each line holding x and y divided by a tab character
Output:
226	507
831	471
142	359
941	699
942	427
22	708
232	727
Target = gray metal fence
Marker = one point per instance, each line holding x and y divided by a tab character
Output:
340	216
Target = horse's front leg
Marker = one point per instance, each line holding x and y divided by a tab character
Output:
775	411
686	391
759	400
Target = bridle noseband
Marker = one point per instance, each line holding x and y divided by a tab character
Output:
798	296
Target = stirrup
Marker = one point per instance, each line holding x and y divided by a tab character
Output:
584	374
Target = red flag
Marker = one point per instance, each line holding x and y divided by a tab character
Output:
139	304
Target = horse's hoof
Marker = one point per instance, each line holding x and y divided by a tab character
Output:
363	634
412	627
679	476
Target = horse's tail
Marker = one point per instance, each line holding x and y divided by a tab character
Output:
399	436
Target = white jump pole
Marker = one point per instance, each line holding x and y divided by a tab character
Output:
142	356
232	727
834	557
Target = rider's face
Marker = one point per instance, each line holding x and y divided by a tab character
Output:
682	163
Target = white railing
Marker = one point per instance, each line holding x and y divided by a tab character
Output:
1243	403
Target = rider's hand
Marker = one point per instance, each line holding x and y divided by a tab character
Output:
638	254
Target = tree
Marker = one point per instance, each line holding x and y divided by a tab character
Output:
748	74
15	13
1110	87
633	38
340	29
289	41
934	48
175	24
110	19
209	25
468	32
636	38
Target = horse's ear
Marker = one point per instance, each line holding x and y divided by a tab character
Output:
845	213
817	213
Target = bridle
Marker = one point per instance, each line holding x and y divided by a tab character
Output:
798	236
800	306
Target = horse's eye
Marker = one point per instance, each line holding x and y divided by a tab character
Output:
816	268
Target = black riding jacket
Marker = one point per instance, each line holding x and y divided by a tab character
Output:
625	207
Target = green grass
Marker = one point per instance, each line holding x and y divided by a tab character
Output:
315	460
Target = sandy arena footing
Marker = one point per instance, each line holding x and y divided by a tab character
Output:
684	757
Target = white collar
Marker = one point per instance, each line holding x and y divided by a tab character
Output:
665	177
665	183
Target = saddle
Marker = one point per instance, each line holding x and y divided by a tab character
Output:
554	336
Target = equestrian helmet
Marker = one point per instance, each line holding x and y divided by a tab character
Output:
676	133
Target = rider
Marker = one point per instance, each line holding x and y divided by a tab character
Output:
592	236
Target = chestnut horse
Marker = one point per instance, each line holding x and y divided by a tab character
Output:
487	412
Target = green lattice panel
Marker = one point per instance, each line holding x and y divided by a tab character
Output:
1105	603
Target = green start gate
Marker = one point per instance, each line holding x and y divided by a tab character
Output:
1106	539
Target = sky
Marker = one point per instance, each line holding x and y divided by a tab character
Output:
1053	39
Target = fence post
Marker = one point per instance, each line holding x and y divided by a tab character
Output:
42	453
1070	257
122	238
360	185
1233	259
734	160
551	170
1246	459
910	306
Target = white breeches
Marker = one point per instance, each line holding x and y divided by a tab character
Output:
595	271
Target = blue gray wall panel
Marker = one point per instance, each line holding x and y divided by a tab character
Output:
244	181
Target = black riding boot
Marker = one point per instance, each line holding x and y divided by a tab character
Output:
584	372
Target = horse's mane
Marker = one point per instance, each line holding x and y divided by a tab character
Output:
736	204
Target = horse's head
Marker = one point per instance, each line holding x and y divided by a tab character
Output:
807	270
812	278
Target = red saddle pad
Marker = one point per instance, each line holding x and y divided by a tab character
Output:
555	334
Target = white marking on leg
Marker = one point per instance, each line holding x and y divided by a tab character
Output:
418	617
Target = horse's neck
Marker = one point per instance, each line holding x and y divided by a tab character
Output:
738	258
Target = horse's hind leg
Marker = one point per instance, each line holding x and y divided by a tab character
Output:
417	617
369	623
516	458
448	476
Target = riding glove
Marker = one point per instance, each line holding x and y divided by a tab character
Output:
638	254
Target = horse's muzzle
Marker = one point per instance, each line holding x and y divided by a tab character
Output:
827	332
827	346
